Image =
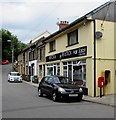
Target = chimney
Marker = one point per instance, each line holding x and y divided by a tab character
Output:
63	24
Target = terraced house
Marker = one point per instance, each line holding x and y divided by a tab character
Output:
84	50
33	57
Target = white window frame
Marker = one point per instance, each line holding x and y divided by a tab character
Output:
80	62
52	66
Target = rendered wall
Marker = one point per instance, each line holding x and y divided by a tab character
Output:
105	53
85	35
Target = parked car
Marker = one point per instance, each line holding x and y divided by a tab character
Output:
59	87
14	77
4	62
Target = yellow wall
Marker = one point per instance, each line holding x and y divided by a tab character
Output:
90	76
105	45
115	55
105	53
85	39
85	35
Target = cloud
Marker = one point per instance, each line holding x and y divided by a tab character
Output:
29	18
19	12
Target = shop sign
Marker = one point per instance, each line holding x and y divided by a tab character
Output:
82	51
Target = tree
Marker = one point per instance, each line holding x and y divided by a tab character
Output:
5	35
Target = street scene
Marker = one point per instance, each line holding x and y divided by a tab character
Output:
20	100
58	59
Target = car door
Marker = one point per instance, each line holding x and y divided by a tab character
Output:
43	85
49	86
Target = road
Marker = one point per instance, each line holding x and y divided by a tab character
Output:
20	100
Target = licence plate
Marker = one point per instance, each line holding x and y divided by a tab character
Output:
73	95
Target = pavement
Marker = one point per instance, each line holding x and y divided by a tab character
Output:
109	100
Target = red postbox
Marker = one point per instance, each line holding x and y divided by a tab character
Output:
100	81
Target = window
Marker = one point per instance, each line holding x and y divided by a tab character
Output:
52	46
40	53
53	69
76	70
73	37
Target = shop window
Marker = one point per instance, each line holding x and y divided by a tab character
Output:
52	46
65	71
49	70
76	70
73	38
53	69
58	69
70	71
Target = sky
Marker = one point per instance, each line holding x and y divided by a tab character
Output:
27	19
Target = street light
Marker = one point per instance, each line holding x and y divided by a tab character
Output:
12	47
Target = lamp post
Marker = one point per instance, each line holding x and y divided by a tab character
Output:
12	47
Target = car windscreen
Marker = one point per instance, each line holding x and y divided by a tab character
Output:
62	80
15	74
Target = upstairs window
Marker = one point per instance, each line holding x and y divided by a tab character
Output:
40	53
73	38
52	46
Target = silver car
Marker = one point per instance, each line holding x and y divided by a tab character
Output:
14	77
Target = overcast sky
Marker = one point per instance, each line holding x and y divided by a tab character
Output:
28	18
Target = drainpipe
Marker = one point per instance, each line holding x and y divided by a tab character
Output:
94	24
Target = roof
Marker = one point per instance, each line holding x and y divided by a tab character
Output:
44	34
93	12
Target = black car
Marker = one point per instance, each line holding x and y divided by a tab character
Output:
59	87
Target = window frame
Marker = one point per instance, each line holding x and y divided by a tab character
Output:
40	54
68	36
73	64
51	47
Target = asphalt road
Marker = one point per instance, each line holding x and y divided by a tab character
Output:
20	100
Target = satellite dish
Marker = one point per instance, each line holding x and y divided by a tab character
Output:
98	35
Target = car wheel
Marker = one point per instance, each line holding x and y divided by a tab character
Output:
54	97
40	94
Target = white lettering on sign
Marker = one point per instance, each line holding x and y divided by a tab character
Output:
52	57
82	51
75	52
67	53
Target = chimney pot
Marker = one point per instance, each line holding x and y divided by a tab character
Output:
63	24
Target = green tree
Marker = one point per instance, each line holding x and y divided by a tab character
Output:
5	36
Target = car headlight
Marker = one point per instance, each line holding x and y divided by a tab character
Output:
80	90
61	90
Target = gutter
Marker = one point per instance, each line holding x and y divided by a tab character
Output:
65	28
